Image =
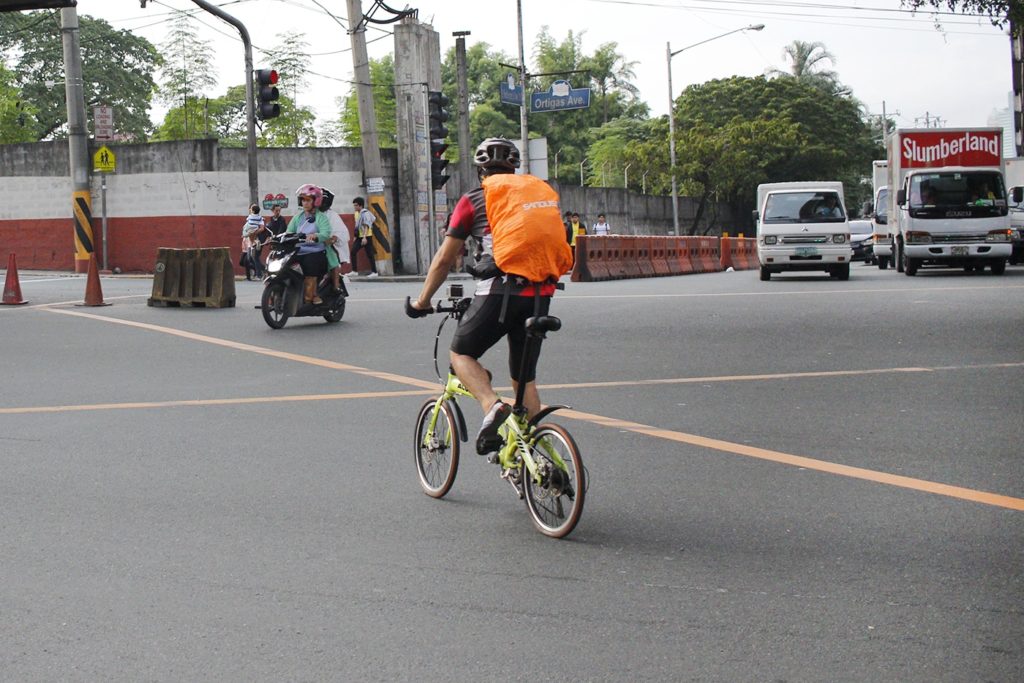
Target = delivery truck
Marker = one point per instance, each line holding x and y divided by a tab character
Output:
947	199
881	237
802	226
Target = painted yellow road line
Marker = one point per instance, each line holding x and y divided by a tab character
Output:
240	346
215	402
800	461
681	437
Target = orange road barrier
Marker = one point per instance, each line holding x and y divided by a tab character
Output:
675	267
629	257
597	257
93	291
659	255
643	256
710	254
693	250
615	258
727	245
746	254
12	288
685	259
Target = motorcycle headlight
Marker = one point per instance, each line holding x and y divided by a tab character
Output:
274	266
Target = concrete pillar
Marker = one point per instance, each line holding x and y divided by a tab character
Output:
417	70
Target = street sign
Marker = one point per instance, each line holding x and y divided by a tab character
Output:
374	185
561	96
271	200
104	160
510	92
103	122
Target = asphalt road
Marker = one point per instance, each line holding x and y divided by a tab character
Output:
795	480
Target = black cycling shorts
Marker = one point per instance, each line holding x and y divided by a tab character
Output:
479	330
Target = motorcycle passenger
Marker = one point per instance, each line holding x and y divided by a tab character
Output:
338	241
482	326
317	229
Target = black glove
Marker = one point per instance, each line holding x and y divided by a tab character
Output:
415	312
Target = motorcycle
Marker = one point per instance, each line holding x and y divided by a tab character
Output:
290	261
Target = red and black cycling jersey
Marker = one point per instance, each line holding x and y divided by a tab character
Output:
469	219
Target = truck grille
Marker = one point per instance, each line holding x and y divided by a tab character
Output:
804	239
956	238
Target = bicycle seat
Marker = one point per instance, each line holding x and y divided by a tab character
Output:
543	323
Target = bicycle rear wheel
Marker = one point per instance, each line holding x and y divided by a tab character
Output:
556	501
437	455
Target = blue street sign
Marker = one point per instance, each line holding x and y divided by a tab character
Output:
561	96
510	92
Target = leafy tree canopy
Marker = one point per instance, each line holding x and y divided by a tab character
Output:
117	70
999	12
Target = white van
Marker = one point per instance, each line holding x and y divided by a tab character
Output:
803	226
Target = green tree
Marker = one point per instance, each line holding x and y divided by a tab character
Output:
999	12
382	76
117	71
488	117
15	115
187	73
733	134
295	126
609	73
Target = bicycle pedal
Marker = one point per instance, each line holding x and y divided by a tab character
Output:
493	459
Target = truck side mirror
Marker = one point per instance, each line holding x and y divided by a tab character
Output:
757	214
901	197
1017	194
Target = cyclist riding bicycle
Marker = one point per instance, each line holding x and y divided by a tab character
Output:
500	307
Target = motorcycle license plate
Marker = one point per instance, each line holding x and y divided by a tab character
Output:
959	251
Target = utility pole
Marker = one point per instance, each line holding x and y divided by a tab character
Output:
465	144
373	167
524	132
78	143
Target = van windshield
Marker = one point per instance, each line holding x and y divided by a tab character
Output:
972	193
803	207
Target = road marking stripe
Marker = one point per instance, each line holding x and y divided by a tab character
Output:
800	461
214	402
682	437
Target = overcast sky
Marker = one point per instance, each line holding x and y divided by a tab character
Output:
959	72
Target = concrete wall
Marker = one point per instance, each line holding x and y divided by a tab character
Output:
174	194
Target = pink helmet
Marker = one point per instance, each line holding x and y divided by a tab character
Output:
313	191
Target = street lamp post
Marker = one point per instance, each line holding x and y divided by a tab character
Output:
669	54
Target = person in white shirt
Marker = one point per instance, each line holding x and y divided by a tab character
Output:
339	235
601	226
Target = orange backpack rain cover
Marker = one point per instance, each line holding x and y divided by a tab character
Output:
526	227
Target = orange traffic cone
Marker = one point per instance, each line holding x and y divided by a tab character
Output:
12	288
93	291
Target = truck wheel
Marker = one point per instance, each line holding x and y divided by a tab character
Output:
910	265
766	274
842	272
998	267
883	262
897	256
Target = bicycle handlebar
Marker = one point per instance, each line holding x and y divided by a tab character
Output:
456	308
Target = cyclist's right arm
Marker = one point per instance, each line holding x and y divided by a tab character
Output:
443	261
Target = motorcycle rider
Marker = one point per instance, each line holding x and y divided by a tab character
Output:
317	228
339	236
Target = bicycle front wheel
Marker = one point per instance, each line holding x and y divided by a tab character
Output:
437	452
555	501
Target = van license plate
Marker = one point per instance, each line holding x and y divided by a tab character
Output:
959	251
806	251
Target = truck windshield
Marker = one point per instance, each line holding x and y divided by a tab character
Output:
970	193
803	207
882	207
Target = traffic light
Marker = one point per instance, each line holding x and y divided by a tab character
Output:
437	115
266	94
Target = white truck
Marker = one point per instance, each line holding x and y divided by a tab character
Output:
802	226
880	213
947	199
1015	193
